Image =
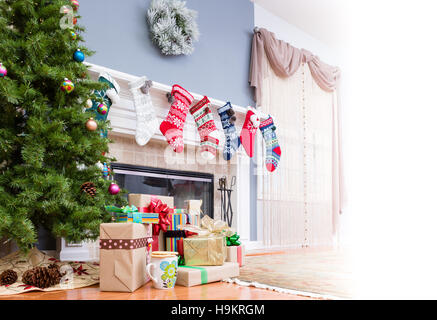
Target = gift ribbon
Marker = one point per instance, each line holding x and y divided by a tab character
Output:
233	240
125	210
126	244
209	227
179	234
157	206
203	273
175	234
181	261
131	214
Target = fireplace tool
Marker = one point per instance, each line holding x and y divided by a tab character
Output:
226	212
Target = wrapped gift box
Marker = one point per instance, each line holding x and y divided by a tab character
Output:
205	250
131	214
193	206
123	256
179	217
189	276
143	202
236	254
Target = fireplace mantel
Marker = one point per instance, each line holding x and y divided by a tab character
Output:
123	118
123	123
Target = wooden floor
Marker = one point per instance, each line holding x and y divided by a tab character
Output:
213	291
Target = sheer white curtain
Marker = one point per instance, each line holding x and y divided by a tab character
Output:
296	200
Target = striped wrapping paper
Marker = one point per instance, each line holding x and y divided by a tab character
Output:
138	217
177	218
171	244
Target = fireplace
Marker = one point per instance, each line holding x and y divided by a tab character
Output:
182	185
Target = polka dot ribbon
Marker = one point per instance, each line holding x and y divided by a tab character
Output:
128	244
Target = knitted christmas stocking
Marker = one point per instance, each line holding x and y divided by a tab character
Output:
209	135
227	116
109	97
273	150
248	131
147	123
172	127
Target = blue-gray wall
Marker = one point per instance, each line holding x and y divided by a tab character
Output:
219	67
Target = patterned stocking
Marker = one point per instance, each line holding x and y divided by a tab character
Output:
227	116
172	127
273	150
147	123
209	135
248	131
109	96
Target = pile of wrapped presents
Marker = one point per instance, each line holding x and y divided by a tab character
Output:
150	240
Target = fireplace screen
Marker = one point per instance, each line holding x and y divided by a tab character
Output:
182	185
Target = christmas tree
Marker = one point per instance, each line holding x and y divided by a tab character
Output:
49	151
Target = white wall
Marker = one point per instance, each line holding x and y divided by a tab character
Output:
293	35
334	56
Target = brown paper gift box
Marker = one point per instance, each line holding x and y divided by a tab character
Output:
205	250
192	276
140	200
123	270
236	254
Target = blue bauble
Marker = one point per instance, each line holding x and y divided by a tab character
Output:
79	56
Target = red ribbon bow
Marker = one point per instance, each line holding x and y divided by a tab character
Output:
157	206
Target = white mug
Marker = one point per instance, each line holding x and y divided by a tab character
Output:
163	269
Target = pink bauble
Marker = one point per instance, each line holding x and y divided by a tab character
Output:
113	189
3	71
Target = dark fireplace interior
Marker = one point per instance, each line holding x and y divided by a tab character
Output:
182	185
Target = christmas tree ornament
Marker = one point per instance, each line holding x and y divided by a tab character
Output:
89	188
105	170
147	123
113	189
75	4
273	150
78	56
73	35
173	27
102	109
67	86
209	135
232	143
74	20
89	103
91	124
172	127
3	71
65	9
8	277
248	132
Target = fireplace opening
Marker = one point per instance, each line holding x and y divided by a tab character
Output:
182	185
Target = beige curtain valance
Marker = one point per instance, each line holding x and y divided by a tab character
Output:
285	60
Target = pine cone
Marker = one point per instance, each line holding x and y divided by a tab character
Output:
8	277
41	277
55	273
89	188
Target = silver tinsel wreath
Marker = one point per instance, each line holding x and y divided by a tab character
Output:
173	27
